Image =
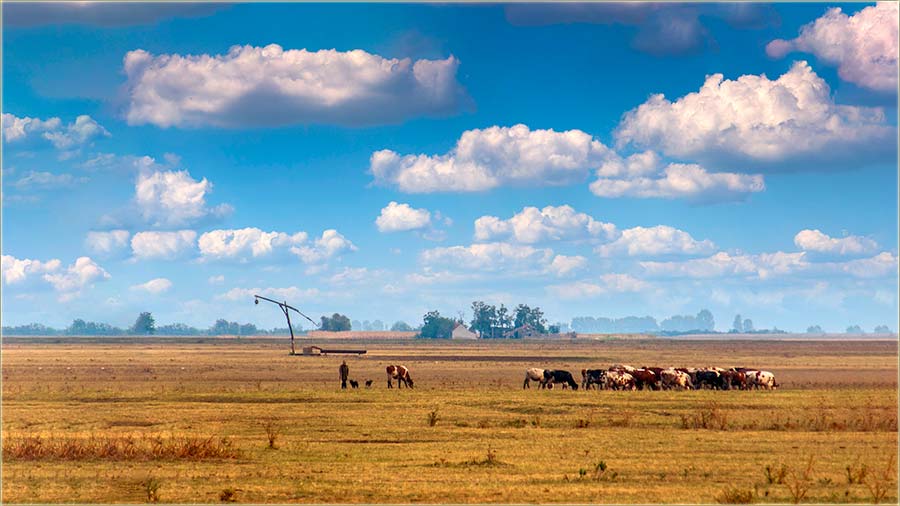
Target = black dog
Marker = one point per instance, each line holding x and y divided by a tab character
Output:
368	383
354	384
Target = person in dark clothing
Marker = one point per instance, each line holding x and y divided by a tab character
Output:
345	371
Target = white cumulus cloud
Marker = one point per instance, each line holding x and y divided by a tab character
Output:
864	46
63	136
162	245
401	217
268	86
81	274
881	265
174	198
488	256
788	123
552	223
655	241
246	243
817	241
330	245
488	158
155	286
106	242
722	264
563	265
15	270
678	180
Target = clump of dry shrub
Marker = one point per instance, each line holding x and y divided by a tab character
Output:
272	432
735	495
117	448
708	417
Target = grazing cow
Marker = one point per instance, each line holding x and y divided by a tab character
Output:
368	383
645	378
711	379
593	377
533	374
735	379
399	373
619	380
621	367
354	384
691	372
656	370
672	378
565	377
761	380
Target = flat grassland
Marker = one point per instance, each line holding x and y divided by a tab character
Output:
186	421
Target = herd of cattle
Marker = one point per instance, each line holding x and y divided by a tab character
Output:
625	377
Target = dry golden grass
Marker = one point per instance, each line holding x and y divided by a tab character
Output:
467	433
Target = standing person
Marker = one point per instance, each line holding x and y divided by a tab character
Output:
345	371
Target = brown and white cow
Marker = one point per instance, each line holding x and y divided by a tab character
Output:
399	373
675	379
619	380
533	374
645	378
761	380
621	368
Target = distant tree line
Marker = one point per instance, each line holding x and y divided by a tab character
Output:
144	325
701	322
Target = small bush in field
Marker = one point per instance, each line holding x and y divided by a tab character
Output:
882	481
775	476
433	418
799	481
228	495
272	432
735	495
151	488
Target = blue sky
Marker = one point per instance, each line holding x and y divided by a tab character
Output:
595	160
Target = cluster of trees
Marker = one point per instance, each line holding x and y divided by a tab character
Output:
338	322
701	322
852	329
488	321
491	322
335	323
435	326
741	326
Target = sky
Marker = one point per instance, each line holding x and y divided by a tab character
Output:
383	161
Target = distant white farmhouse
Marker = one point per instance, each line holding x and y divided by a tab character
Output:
461	332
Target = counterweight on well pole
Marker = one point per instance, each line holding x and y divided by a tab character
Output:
284	308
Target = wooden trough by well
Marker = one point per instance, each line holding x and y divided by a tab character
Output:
316	351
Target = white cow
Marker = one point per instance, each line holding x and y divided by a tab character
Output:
533	374
761	380
671	379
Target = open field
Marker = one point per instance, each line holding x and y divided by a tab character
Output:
182	421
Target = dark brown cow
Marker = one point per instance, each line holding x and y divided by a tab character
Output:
559	376
399	373
645	378
735	379
593	377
